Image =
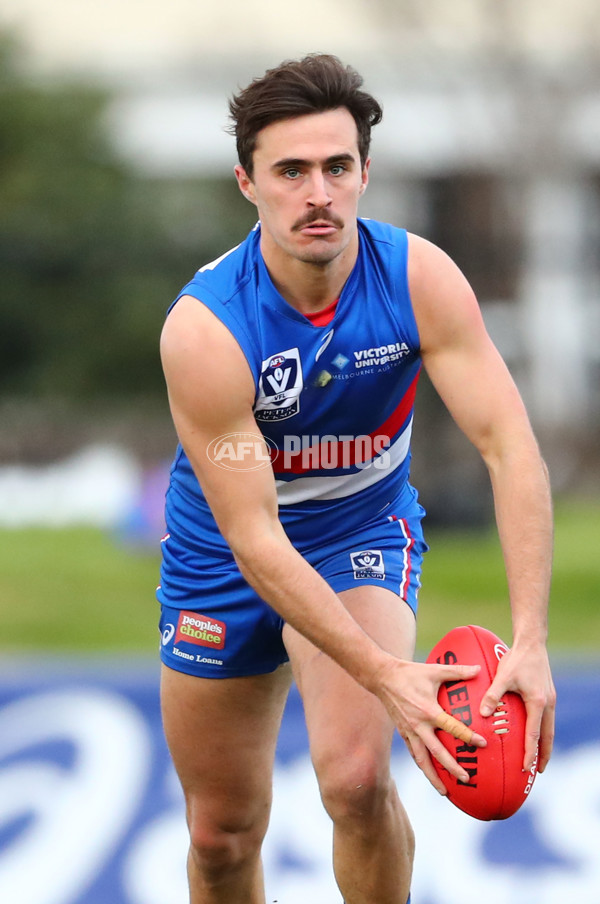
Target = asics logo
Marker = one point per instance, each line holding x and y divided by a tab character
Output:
167	634
326	340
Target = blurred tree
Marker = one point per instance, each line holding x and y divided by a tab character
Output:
74	236
91	253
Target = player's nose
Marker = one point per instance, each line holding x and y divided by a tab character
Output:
318	191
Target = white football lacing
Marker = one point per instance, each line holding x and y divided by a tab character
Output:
500	720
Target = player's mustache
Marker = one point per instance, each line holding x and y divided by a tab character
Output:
318	213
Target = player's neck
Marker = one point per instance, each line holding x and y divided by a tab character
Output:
309	287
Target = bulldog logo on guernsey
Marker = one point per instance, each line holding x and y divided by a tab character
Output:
193	627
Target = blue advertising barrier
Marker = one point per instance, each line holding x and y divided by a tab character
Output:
91	812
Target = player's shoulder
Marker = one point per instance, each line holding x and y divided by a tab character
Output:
429	265
384	249
193	340
210	311
378	232
423	249
224	277
443	301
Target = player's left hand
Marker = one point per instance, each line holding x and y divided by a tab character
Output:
525	670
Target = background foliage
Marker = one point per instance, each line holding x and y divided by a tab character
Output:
91	252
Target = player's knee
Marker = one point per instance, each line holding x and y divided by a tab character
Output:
356	788
219	850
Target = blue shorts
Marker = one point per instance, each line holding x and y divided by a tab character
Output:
214	625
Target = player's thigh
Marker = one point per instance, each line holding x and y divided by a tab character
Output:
346	723
222	735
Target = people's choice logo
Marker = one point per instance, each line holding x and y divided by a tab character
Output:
241	451
195	628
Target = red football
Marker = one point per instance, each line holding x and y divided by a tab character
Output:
498	786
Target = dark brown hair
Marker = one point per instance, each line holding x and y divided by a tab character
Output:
314	84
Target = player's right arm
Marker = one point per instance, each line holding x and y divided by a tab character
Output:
211	393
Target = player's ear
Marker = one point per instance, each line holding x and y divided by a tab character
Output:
365	175
245	183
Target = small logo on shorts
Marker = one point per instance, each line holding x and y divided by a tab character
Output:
201	630
167	634
368	564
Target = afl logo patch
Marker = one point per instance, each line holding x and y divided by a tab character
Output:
279	386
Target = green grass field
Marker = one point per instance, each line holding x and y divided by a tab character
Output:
464	582
78	590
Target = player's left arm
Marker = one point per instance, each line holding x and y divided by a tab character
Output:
476	387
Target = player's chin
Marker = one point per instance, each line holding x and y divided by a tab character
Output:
320	253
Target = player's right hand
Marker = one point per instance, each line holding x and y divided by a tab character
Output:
409	690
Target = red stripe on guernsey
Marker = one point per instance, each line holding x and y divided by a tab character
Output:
346	451
406	568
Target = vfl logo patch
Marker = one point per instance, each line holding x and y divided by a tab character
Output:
279	387
368	564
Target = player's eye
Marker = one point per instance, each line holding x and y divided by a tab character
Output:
291	173
337	169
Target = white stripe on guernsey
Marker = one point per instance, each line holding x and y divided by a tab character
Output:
406	557
304	489
215	263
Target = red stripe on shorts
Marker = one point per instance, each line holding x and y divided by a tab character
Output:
406	571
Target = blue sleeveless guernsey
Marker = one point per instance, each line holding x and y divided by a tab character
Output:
334	403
